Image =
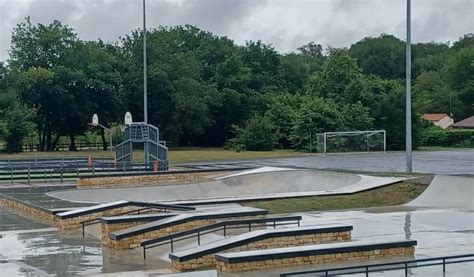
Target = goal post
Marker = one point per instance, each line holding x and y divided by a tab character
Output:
352	141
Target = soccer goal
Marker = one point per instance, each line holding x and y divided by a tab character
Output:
354	141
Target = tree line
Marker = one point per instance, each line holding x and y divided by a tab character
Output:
205	90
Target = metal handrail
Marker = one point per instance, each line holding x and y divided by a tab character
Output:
224	225
370	268
96	220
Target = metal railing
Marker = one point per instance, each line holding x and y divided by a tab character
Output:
59	171
138	211
220	226
400	265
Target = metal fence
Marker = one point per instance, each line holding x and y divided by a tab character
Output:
61	146
62	169
392	266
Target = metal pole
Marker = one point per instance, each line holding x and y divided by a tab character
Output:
368	146
324	143
310	143
145	102
111	145
145	111
408	138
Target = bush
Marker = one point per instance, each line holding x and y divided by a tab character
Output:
450	138
257	135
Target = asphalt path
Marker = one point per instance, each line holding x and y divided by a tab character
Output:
435	162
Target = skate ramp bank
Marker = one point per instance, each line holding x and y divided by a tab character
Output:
447	192
248	185
289	180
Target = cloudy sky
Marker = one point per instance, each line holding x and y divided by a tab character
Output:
286	24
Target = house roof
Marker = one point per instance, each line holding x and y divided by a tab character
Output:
434	116
465	123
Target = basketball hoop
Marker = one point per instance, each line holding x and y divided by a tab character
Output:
128	118
95	120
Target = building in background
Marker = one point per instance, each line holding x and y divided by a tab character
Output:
442	120
467	123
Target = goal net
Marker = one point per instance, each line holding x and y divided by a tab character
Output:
354	141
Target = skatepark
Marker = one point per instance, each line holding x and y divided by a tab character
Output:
439	222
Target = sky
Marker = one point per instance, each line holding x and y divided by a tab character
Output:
286	24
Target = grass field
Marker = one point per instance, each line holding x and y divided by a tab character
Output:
177	155
396	194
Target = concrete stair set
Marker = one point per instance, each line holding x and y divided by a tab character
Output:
253	250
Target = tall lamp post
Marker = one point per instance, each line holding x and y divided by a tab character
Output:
408	138
145	102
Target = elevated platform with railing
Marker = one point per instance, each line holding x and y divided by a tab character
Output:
156	152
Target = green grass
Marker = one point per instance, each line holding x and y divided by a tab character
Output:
177	155
396	194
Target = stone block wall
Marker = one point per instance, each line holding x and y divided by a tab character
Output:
278	242
316	260
75	222
112	227
29	210
134	241
146	179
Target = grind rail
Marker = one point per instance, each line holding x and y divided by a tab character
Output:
224	226
391	266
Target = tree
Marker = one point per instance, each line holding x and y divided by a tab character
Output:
465	41
281	111
37	89
319	115
312	49
295	70
340	79
194	102
256	135
39	45
432	94
459	72
98	64
263	61
17	122
387	108
383	56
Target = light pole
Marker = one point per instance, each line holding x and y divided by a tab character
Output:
145	102
408	138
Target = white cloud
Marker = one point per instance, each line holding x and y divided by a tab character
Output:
287	24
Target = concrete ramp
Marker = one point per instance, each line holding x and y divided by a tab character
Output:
264	183
447	192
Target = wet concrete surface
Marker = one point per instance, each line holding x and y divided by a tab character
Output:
438	231
10	221
45	201
436	162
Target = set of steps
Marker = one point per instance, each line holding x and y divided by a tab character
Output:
82	217
204	256
139	132
132	237
289	246
258	248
